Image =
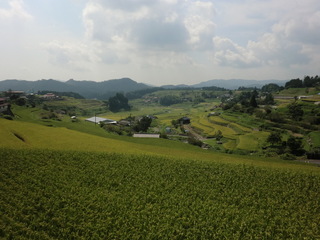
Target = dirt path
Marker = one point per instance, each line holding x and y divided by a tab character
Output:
196	135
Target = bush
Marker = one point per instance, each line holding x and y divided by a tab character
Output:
8	117
113	129
194	141
314	154
295	146
288	156
274	138
164	135
276	117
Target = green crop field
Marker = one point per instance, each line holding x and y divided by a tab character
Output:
252	141
47	194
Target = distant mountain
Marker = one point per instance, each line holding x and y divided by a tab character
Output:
106	89
88	89
236	83
34	86
175	86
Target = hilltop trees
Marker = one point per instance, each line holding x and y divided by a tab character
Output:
294	83
306	82
271	87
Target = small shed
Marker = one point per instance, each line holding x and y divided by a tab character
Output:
124	122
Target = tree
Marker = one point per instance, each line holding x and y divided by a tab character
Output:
21	101
118	102
143	124
295	145
269	100
218	135
274	138
253	101
175	123
295	111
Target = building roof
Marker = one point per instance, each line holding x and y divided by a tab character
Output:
99	119
146	135
96	119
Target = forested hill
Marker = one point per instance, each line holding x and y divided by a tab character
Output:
88	89
236	83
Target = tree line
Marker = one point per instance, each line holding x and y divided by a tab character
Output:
306	82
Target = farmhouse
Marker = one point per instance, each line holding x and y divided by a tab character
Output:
50	96
146	135
99	120
14	94
4	105
184	120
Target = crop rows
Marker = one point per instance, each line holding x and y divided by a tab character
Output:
83	195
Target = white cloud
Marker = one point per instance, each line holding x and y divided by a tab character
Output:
16	11
295	28
76	56
229	53
200	25
148	27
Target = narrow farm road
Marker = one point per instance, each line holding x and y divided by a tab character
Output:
192	132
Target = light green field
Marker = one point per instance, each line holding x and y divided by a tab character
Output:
298	91
315	137
252	140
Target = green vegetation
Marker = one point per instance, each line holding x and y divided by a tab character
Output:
84	195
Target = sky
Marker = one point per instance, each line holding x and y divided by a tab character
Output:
159	41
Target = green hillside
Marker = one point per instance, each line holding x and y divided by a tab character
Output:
24	135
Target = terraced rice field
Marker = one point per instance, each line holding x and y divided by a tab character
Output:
235	135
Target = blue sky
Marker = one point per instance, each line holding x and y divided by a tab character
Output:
160	41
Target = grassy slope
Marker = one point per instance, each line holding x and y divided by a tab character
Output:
58	138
